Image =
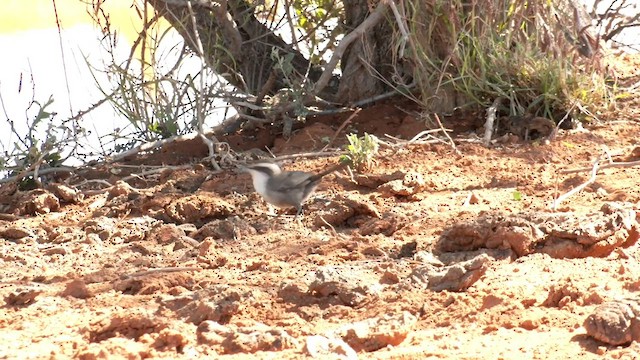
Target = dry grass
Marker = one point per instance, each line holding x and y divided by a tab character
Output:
535	54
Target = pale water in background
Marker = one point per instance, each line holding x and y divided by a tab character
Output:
32	67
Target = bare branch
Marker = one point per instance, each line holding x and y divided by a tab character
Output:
375	17
577	189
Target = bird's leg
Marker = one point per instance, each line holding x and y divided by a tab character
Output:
298	213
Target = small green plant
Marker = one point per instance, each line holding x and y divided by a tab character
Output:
361	151
296	90
40	146
517	195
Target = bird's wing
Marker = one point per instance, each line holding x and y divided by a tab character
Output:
289	180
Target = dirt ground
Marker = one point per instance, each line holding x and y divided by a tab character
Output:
434	252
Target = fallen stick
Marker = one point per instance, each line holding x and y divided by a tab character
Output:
605	166
561	198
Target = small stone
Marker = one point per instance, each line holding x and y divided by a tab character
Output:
77	289
22	296
529	324
322	347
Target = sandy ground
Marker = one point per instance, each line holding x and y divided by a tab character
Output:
434	252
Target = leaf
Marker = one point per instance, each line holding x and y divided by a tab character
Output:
517	195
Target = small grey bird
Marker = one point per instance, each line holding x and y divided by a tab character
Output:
285	188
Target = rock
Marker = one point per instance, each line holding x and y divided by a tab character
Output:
212	333
321	347
376	333
561	235
293	292
349	287
66	193
23	296
121	189
427	258
231	228
342	208
127	323
336	212
411	184
457	277
135	229
40	202
218	303
16	233
615	322
102	226
374	180
244	339
166	234
78	289
66	234
197	208
54	250
561	294
379	226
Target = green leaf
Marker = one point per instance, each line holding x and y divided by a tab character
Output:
517	195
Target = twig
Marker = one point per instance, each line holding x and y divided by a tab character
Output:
40	172
342	126
375	17
427	132
401	25
65	68
453	145
153	145
329	111
155	171
255	119
10	217
161	270
93	181
587	112
491	118
333	230
467	200
199	99
417	139
249	105
308	155
386	95
605	166
553	134
561	198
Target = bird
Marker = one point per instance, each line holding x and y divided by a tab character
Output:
285	188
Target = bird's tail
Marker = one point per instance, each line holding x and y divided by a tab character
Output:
329	170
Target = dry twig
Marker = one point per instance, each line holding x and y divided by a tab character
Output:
375	17
161	270
491	118
416	140
344	124
40	172
561	198
605	166
453	145
199	100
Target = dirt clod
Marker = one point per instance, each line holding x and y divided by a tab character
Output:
615	322
428	254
